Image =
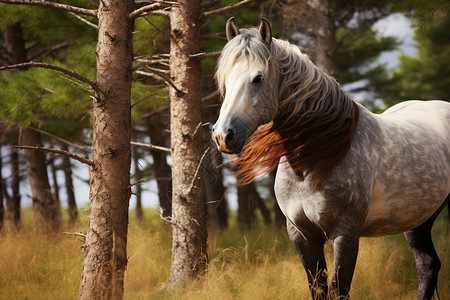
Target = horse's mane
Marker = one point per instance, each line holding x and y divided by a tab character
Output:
316	118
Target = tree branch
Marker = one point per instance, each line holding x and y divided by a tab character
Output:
61	139
198	169
150	8
84	20
206	54
61	152
226	8
151	147
73	74
65	7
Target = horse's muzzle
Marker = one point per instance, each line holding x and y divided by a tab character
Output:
227	142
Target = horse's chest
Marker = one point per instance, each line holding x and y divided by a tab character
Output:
301	206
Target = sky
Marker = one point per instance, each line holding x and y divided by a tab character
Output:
396	25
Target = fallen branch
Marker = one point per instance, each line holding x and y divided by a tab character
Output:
226	8
151	147
61	152
59	6
73	74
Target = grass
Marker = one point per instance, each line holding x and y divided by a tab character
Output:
260	264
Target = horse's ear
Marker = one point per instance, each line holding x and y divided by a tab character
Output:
265	32
231	29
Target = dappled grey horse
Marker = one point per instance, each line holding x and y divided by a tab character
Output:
343	172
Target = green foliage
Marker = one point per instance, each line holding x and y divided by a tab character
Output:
428	75
360	48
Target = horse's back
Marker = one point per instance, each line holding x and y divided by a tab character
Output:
413	168
435	114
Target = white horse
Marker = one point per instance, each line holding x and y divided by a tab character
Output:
343	172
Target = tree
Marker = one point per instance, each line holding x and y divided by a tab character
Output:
189	247
338	34
425	76
45	207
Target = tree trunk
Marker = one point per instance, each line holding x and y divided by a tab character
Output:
217	206
246	206
156	127
2	196
45	208
14	203
16	53
55	179
67	168
14	44
105	249
189	248
325	43
136	178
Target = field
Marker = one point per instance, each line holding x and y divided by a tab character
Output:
260	264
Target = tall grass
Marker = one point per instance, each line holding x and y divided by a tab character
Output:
260	264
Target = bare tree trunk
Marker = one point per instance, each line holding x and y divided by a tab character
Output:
136	178
67	168
156	127
105	249
246	206
189	247
325	43
14	203
45	208
217	206
55	179
16	53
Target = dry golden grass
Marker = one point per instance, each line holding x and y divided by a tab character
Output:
260	264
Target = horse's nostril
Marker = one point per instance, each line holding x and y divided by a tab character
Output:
217	141
230	135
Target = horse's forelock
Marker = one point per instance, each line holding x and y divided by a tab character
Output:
245	47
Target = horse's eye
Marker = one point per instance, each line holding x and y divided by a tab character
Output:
258	79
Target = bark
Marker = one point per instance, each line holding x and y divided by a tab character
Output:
15	53
67	168
45	208
55	184
217	206
246	206
14	44
138	191
189	248
325	43
156	127
14	203
105	252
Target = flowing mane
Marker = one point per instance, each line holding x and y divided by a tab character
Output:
316	118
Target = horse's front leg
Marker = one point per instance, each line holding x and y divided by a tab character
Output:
345	254
313	260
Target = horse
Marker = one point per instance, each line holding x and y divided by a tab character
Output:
343	172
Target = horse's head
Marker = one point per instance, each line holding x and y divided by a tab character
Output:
247	84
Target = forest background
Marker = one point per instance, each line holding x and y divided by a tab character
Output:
55	111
